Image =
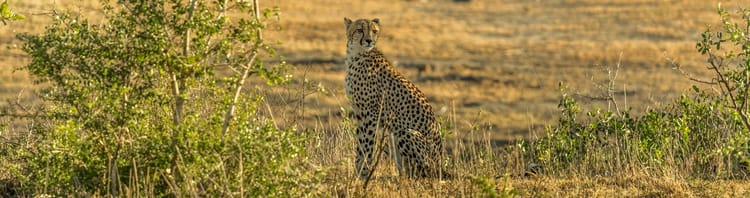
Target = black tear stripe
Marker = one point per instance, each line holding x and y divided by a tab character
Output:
365	28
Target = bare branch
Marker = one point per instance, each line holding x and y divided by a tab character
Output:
610	87
717	62
247	70
230	112
678	67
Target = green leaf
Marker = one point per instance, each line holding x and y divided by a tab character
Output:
17	17
7	14
4	10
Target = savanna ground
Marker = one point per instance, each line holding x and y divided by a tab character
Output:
491	68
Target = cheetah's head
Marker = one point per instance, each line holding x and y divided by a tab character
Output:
361	34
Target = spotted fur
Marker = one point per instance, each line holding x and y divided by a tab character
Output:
382	98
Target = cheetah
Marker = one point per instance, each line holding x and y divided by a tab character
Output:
382	99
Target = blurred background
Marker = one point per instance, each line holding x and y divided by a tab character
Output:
494	65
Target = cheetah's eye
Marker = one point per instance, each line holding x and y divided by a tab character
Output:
375	31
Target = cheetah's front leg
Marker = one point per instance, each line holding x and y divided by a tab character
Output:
365	144
410	159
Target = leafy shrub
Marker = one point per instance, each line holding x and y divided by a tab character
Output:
697	136
134	105
701	134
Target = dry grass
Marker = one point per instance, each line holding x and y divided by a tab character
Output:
492	65
504	59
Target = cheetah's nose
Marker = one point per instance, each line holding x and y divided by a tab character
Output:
368	41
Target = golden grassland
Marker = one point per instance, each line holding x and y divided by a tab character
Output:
488	65
497	63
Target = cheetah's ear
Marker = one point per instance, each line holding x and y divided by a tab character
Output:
347	22
376	20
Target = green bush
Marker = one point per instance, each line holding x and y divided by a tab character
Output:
702	134
134	106
697	136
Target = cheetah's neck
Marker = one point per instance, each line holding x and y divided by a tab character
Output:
372	59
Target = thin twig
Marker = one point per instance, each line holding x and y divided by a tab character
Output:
242	172
382	143
715	63
611	84
177	83
232	105
678	67
377	161
238	90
